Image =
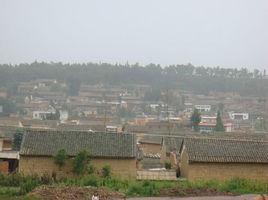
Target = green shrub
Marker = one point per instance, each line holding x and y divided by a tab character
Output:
90	181
60	158
80	162
90	169
244	186
146	189
167	165
28	186
9	191
149	188
135	189
115	184
106	171
46	179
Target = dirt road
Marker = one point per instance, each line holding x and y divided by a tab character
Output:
244	197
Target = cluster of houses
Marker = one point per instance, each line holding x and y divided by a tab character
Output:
122	127
95	107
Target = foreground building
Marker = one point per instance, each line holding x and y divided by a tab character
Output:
39	148
8	157
203	158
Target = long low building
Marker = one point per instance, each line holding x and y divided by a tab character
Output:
204	158
38	149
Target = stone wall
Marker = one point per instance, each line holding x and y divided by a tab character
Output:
156	175
28	165
222	171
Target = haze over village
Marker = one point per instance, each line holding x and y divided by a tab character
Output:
102	100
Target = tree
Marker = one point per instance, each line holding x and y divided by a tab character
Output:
7	106
195	120
221	107
60	158
219	124
73	86
80	162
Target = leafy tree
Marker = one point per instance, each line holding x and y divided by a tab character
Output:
73	86
17	140
60	158
152	95
7	107
80	162
195	120
125	113
219	124
221	107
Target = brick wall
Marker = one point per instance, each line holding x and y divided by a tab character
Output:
124	168
222	171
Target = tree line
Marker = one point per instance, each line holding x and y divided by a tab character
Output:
198	79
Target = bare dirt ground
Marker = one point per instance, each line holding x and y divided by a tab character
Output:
85	193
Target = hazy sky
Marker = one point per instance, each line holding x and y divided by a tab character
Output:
228	33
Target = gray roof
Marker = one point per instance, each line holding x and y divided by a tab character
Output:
173	143
226	150
47	143
151	139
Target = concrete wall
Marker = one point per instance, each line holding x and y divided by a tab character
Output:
222	171
124	168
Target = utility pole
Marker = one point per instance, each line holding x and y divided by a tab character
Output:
168	120
105	112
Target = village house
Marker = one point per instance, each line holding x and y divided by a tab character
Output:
208	124
8	157
203	158
3	93
43	114
39	148
238	116
203	108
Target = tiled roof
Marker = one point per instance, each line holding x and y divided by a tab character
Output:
173	143
151	139
47	143
226	150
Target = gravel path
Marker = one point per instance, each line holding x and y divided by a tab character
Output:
244	197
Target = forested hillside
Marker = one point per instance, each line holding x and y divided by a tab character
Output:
186	77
